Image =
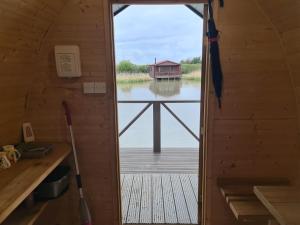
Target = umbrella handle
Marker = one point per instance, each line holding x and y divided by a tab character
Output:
67	113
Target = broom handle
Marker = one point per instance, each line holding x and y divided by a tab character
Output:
69	121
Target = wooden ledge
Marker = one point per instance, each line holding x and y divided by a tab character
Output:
241	181
239	195
23	177
249	211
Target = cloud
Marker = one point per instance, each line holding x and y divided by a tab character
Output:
166	32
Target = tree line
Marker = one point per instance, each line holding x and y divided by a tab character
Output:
195	60
126	66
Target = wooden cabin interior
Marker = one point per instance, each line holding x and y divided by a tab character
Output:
253	138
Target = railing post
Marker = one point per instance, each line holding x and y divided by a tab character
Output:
156	128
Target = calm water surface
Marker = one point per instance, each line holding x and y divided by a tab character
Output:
140	134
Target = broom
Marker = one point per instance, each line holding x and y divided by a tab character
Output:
83	207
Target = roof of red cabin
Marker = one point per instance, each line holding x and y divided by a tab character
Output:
165	63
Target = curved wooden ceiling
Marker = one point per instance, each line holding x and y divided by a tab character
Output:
23	27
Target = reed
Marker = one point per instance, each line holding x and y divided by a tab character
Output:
133	77
193	76
126	78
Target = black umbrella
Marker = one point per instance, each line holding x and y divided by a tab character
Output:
222	3
217	74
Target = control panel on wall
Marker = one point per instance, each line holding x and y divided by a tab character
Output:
67	59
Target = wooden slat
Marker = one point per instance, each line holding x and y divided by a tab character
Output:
181	207
135	200
20	180
158	203
240	198
169	201
126	190
146	200
190	199
248	211
237	190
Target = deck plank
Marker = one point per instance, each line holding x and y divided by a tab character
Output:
146	200
122	179
125	193
158	205
158	198
169	202
181	207
133	214
168	161
194	182
152	191
190	199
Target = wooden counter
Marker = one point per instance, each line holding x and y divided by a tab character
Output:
283	202
17	182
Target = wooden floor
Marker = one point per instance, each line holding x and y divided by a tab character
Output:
171	160
159	188
152	198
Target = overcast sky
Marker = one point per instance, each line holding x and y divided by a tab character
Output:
165	32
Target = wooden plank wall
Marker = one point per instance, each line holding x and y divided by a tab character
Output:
255	134
23	27
285	17
80	23
23	24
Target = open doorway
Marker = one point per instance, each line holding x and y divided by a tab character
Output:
158	51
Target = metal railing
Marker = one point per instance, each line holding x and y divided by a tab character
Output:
157	118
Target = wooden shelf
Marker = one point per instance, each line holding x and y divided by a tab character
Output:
20	180
283	202
23	216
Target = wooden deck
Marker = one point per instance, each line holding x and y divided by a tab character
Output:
159	198
159	188
170	160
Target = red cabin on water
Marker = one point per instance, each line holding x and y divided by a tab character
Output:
165	69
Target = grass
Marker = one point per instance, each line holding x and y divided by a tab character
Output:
192	76
125	78
189	68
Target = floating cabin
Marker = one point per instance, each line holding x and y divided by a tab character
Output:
165	70
249	151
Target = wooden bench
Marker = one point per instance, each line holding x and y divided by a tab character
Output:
238	194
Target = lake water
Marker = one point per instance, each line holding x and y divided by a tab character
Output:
140	134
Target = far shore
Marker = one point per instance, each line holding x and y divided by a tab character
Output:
144	77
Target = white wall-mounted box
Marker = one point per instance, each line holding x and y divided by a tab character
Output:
94	87
67	59
88	87
100	88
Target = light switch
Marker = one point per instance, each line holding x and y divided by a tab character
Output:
100	87
88	87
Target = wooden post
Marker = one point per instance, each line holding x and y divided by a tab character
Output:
156	128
